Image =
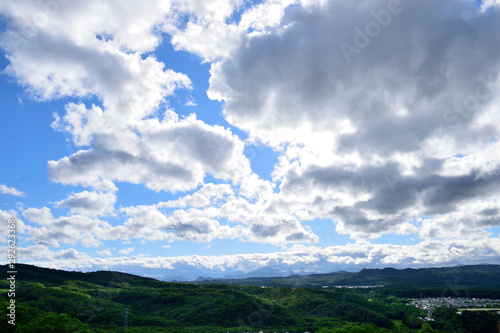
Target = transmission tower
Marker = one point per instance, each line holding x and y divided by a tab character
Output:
125	318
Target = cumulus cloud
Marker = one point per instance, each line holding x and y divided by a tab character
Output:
104	253
5	217
264	16
380	117
207	33
299	258
78	50
488	4
171	155
89	203
208	194
216	212
384	116
63	259
10	190
66	229
297	78
127	251
128	137
214	30
255	215
148	222
281	232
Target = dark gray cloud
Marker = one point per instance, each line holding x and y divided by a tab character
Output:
425	60
448	192
265	231
281	231
489	212
392	194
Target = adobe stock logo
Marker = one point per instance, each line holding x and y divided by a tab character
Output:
363	37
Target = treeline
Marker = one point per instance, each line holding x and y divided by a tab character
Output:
415	292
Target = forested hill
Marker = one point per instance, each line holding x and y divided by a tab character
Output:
463	276
48	276
49	300
469	275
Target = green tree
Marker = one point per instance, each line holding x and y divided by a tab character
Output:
479	322
355	328
427	328
54	323
412	321
325	330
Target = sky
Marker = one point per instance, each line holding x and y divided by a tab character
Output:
190	137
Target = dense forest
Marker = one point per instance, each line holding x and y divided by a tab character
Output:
50	300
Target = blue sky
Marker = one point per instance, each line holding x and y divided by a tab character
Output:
215	137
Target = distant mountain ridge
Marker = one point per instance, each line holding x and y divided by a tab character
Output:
260	272
453	277
470	275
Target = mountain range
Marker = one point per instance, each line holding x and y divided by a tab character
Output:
458	277
452	278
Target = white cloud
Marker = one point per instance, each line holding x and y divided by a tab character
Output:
149	223
20	226
370	139
253	187
488	4
80	50
300	81
213	33
469	220
127	251
66	229
208	194
257	214
206	34
170	155
210	41
64	259
129	137
264	16
89	204
10	190
128	134
104	253
83	21
352	256
191	102
396	135
280	232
